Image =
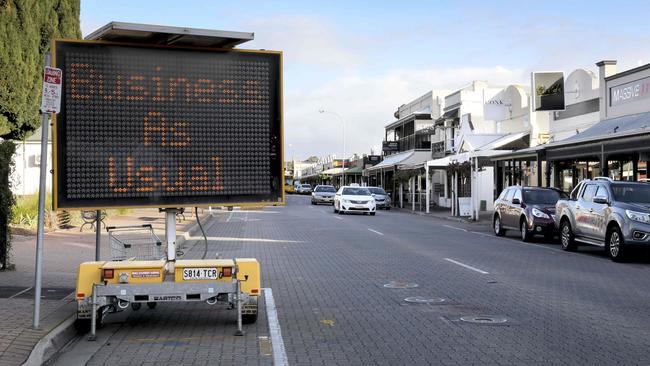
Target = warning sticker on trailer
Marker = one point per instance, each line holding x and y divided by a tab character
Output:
145	274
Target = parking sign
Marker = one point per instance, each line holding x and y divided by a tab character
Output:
51	96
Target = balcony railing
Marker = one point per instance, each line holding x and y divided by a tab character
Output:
414	142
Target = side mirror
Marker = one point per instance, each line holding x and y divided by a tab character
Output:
516	201
372	194
600	199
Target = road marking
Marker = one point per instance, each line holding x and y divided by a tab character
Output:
336	217
21	292
279	353
376	232
466	266
455	228
225	238
483	234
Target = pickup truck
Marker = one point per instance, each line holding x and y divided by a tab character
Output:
607	213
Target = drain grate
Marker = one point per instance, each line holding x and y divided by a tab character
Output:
484	319
425	300
397	284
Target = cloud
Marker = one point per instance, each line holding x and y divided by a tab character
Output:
305	40
366	105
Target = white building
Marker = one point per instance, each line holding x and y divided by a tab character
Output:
26	175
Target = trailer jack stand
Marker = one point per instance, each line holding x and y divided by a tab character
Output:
93	316
240	331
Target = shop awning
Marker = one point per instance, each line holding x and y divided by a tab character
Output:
483	157
353	170
452	114
332	171
408	159
494	141
635	124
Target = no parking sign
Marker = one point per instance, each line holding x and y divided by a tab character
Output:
51	96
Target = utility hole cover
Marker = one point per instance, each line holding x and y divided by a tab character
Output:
484	319
396	284
425	300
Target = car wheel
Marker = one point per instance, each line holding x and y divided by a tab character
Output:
341	212
567	239
523	230
615	245
335	210
313	203
498	230
388	208
372	214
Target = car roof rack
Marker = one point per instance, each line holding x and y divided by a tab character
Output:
604	178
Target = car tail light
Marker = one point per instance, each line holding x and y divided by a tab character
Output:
109	274
227	271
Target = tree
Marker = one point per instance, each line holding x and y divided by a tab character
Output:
26	30
312	159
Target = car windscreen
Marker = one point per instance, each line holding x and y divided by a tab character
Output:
541	196
306	186
356	191
376	190
328	189
631	193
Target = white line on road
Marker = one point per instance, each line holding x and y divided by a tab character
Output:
376	232
226	238
336	217
279	353
455	228
466	266
483	234
21	292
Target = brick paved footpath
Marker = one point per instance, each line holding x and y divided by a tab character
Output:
63	251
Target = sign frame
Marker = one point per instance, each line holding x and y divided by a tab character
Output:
534	103
214	203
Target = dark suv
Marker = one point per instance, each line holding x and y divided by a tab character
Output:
607	213
531	210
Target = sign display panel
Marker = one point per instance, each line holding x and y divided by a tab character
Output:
548	89
165	127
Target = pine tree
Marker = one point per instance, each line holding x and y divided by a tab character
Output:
26	30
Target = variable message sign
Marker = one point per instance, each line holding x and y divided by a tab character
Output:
167	127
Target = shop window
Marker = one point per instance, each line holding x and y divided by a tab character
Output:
642	171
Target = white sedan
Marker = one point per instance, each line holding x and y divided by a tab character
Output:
354	199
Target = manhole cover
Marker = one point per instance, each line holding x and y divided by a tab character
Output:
425	300
395	284
484	319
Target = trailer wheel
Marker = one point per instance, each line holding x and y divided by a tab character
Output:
249	318
152	305
136	306
82	326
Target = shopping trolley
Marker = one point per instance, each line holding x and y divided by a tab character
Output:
135	242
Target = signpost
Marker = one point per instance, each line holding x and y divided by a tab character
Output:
50	103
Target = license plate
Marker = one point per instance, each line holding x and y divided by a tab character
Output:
190	274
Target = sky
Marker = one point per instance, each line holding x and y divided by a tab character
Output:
361	60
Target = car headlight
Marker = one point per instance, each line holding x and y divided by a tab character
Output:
540	214
638	216
346	201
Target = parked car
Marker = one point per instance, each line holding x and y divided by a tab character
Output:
303	189
530	210
354	199
323	194
607	213
382	199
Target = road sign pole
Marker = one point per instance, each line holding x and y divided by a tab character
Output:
98	233
41	215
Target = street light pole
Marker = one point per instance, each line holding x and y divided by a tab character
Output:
343	127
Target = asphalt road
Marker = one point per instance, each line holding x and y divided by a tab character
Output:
330	277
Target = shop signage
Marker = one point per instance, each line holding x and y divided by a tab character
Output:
630	92
390	146
548	91
166	126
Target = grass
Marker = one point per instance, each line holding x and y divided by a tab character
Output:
25	211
